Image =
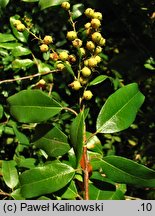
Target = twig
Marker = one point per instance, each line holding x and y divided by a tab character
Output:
4	193
50	90
27	77
86	174
71	110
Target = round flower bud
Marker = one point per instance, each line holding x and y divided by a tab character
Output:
75	85
60	66
65	5
102	42
54	56
17	22
68	63
92	62
87	95
72	58
95	23
86	62
77	43
89	12
44	48
98	50
98	59
97	15
63	56
71	35
83	81
87	25
20	27
96	37
83	51
86	72
41	82
90	45
47	39
88	31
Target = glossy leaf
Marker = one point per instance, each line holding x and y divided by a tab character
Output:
21	36
29	1
69	68
22	138
28	163
46	179
49	3
42	67
22	63
1	111
76	136
98	80
43	198
99	194
68	192
32	106
120	109
77	10
9	46
93	143
52	141
16	195
6	37
122	170
3	3
10	174
20	51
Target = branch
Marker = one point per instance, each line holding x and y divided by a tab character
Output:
86	174
71	110
4	193
27	77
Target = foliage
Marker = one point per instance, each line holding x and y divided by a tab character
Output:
64	100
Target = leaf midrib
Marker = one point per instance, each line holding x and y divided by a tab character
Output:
130	175
47	179
100	129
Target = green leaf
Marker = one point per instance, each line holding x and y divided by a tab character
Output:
68	192
122	170
21	36
149	66
98	80
17	195
33	106
3	3
77	10
99	194
29	1
93	143
20	51
52	141
1	111
10	45
68	68
43	67
49	3
22	139
120	109
6	37
10	174
43	198
76	136
28	163
22	63
46	179
103	188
